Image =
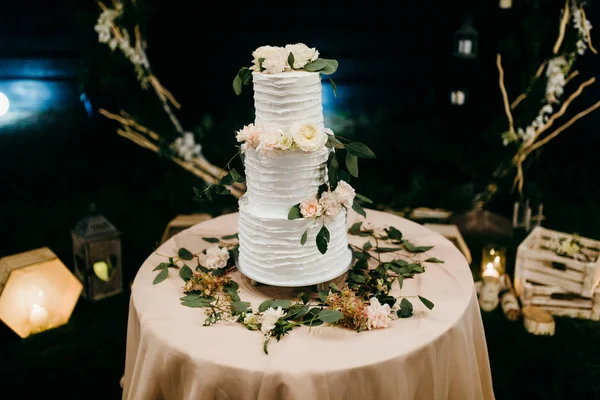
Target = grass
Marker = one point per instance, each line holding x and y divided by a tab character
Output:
52	170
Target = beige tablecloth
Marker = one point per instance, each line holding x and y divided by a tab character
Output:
437	354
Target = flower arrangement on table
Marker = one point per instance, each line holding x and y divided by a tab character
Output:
364	301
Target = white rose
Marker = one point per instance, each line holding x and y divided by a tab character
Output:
251	321
330	205
378	315
269	318
277	62
286	142
250	134
345	193
308	136
310	208
269	140
302	54
263	52
216	257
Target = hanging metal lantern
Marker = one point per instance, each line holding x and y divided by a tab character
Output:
97	256
466	40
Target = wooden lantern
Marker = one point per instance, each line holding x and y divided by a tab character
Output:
37	291
493	261
97	256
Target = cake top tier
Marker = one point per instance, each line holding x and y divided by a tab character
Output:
277	60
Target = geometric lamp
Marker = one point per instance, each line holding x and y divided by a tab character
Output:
37	291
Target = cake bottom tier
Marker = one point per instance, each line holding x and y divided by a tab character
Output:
270	251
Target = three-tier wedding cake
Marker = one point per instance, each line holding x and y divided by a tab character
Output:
292	220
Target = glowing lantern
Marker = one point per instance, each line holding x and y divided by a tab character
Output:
97	256
493	261
37	291
466	40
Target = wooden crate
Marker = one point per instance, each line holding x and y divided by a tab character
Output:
560	284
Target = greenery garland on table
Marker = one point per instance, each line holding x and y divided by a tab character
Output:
362	303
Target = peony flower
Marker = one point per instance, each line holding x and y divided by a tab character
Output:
330	205
378	315
307	136
276	62
310	208
302	54
345	194
250	134
263	52
216	257
269	140
286	142
270	318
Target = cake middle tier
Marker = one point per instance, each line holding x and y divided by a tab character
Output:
270	251
275	182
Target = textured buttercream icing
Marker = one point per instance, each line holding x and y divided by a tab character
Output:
270	251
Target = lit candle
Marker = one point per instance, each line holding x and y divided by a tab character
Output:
490	270
505	4
38	315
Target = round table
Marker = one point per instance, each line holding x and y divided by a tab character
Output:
435	354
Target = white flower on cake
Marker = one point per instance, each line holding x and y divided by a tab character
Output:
250	135
263	53
276	62
308	136
378	315
330	205
345	194
310	208
269	140
286	142
302	54
216	257
270	318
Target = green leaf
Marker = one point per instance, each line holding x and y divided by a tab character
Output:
434	260
394	233
237	85
355	228
240	306
236	175
358	278
333	167
304	298
211	239
387	249
291	60
363	198
415	249
294	212
330	67
359	150
229	237
185	254
208	194
343	176
226	180
245	75
330	316
417	268
336	141
426	302
367	246
220	189
297	311
260	63
323	239
323	294
311	317
304	237
406	309
265	305
400	281
162	275
387	299
198	302
284	304
199	192
400	262
317	65
232	293
161	266
352	164
189	297
333	86
358	208
185	273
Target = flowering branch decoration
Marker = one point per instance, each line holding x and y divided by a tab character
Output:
557	72
183	150
276	60
363	302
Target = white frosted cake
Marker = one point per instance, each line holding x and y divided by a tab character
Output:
288	200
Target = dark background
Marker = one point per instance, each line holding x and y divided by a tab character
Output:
396	70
